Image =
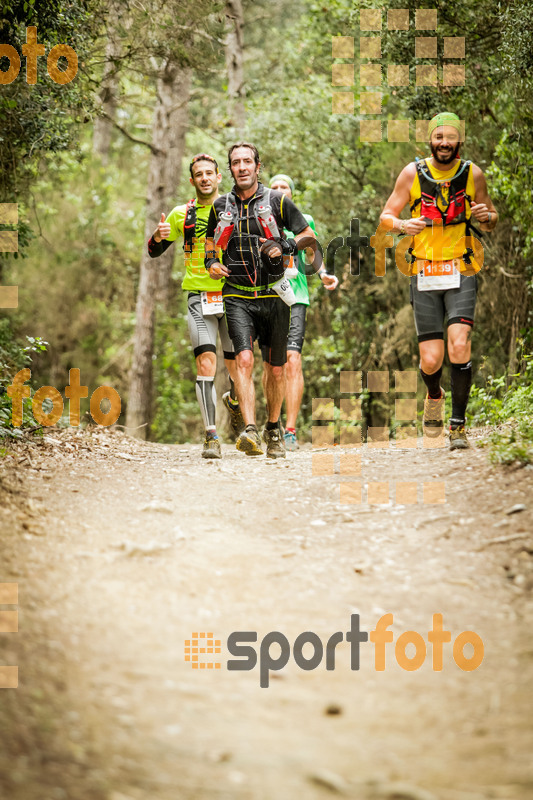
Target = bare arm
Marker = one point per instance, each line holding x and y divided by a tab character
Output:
309	246
162	230
397	201
482	208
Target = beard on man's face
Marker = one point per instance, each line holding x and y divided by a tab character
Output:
444	156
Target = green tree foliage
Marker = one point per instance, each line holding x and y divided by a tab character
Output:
93	218
39	119
14	356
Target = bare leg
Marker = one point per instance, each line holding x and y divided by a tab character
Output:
275	390
459	344
294	388
244	385
230	366
431	355
264	383
206	364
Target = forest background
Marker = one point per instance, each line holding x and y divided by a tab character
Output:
93	163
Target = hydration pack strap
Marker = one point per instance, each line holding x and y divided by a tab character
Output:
422	167
231	207
189	224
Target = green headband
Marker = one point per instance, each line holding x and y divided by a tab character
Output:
281	177
446	118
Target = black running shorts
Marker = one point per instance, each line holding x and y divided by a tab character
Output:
430	308
265	319
297	327
296	330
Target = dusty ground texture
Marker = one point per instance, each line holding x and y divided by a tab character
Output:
122	550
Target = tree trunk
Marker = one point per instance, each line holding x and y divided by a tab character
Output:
168	130
234	63
108	95
174	144
513	360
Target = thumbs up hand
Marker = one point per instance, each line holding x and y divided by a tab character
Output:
163	229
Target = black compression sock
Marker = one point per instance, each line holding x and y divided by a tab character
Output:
232	392
433	383
461	383
271	426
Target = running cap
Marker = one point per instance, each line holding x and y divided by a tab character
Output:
202	157
444	118
281	177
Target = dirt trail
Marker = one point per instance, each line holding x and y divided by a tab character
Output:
123	549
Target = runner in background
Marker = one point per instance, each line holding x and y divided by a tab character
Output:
204	302
294	379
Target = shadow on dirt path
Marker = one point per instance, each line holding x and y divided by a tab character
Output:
123	550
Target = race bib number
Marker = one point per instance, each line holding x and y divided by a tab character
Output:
212	303
438	275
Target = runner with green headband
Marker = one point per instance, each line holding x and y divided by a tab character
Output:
444	194
294	379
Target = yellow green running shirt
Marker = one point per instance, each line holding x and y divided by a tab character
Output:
197	277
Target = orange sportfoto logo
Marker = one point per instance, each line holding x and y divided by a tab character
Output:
200	649
32	50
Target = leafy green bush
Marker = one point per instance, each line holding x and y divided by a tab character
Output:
510	409
14	356
177	416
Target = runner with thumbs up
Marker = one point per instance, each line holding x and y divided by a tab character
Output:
163	230
205	317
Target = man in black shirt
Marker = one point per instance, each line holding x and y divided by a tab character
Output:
247	226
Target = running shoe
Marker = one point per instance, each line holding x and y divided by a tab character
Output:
433	423
458	440
275	443
249	442
291	442
211	448
281	430
235	415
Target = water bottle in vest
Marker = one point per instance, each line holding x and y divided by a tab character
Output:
284	289
267	221
224	229
291	271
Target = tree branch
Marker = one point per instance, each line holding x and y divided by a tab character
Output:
128	135
342	163
203	34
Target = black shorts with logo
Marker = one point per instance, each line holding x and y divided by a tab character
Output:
295	340
430	308
297	327
266	319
